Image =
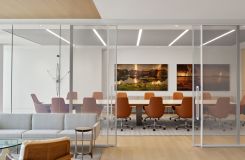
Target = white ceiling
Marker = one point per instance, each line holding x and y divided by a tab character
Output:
171	9
125	37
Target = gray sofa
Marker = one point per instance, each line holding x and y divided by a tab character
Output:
46	125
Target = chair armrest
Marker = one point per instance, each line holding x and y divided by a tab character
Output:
96	129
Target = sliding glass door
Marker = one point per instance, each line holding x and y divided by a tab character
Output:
216	82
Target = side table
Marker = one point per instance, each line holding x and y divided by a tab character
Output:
83	130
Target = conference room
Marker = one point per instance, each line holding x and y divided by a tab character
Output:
138	79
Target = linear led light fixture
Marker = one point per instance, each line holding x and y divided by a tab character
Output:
139	37
56	35
98	35
218	37
177	38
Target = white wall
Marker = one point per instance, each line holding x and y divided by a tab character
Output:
1	78
87	71
30	75
173	56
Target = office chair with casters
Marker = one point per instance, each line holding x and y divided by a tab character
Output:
242	109
155	110
123	112
97	95
39	106
147	96
58	105
220	111
121	94
176	96
184	111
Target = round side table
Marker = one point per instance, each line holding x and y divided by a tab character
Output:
83	130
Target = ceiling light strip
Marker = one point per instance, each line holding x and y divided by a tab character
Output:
56	35
139	37
218	37
98	35
176	39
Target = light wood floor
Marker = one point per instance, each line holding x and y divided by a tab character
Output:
167	148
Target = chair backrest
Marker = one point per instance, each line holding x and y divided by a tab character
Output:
121	94
90	106
58	105
207	96
39	107
123	108
155	108
185	109
242	105
178	95
71	95
51	149
35	99
148	95
222	108
98	95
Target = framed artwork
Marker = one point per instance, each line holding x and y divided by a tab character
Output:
184	77
216	77
142	77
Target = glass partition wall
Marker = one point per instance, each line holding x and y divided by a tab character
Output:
73	67
94	59
60	69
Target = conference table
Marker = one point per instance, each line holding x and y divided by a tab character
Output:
134	103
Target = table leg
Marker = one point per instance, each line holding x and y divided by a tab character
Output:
139	115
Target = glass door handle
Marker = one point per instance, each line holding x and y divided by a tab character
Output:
197	102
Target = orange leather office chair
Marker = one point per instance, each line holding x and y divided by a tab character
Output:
121	94
155	110
97	95
185	111
242	108
123	112
176	96
147	96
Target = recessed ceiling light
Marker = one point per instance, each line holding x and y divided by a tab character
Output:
139	37
99	37
177	38
218	37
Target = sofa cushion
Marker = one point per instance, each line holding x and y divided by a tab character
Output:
11	133
40	134
48	121
15	121
73	121
71	135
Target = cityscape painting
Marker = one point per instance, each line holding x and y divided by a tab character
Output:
142	77
184	77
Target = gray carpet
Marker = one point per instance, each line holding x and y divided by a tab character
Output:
212	128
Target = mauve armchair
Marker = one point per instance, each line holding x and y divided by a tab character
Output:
58	105
39	106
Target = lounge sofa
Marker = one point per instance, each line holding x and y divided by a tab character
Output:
46	125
